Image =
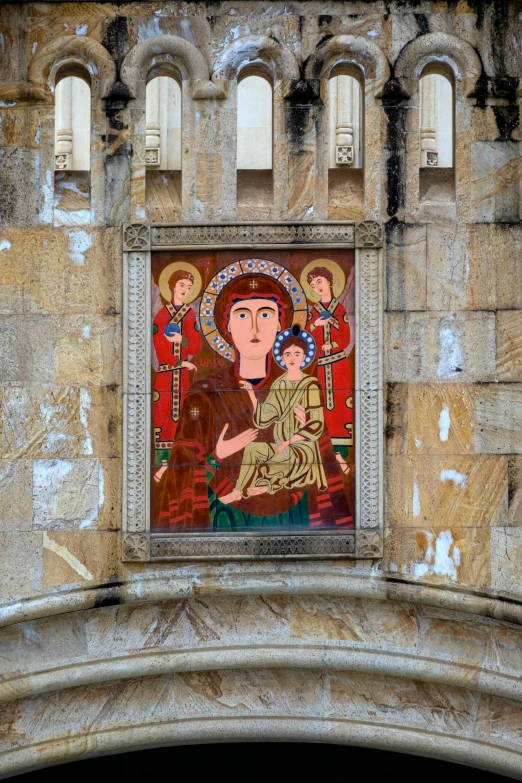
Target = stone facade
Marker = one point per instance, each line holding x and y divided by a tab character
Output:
424	641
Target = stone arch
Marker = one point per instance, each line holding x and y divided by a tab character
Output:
341	661
349	49
256	51
172	50
450	50
74	50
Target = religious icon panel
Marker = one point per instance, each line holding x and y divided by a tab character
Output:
253	391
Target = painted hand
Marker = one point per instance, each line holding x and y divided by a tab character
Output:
300	413
189	366
283	446
175	338
159	473
225	448
326	347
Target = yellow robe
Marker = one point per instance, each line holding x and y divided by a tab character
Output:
300	464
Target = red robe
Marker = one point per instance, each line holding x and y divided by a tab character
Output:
172	380
181	497
333	370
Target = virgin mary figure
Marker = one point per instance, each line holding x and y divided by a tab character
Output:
216	426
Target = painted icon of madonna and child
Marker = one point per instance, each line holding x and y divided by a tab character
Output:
252	393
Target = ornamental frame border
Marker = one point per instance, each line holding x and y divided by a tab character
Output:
366	541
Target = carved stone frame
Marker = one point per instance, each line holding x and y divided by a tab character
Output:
139	240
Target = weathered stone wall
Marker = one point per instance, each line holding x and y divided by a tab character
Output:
453	358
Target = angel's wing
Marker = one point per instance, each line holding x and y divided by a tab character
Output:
347	299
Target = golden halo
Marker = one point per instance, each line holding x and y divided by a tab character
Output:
165	277
339	277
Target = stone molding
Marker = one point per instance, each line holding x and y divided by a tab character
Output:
256	50
450	50
139	239
73	49
254	579
177	52
250	234
349	49
468	699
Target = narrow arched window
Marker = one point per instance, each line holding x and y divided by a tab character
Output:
163	132
254	146
436	121
345	144
437	155
346	126
73	124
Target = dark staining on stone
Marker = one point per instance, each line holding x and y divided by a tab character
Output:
422	23
512	480
395	145
325	19
116	40
506	118
393	410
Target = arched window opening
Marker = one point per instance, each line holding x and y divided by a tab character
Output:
346	111
254	146
163	133
73	125
163	148
437	157
436	131
346	144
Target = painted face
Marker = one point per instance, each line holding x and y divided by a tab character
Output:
253	326
182	289
293	357
320	285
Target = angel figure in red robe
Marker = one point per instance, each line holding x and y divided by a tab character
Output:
176	339
329	323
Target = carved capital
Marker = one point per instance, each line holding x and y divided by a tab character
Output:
369	233
136	547
369	543
136	236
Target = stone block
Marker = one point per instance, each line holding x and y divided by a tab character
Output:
509	345
495	181
88	350
506	556
498	419
440	347
406	267
441	557
16	493
66	493
515	490
497	249
208	185
496	123
12	278
26	350
301	184
446	492
60	422
19	176
319	617
79	556
69	270
447	267
20	565
432	419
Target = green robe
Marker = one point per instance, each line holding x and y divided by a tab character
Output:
300	464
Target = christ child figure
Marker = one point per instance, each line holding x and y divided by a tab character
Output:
294	409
